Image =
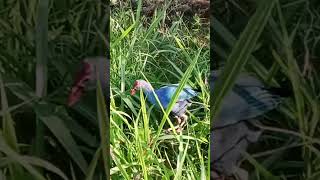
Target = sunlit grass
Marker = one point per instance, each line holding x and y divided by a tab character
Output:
160	55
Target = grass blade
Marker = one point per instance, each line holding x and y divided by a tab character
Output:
104	129
18	159
93	164
7	121
51	118
41	66
240	55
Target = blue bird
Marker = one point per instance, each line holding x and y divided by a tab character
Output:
248	99
231	133
165	94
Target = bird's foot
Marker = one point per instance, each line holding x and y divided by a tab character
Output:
181	124
183	121
177	128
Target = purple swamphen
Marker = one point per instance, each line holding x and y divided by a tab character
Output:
231	131
165	94
248	99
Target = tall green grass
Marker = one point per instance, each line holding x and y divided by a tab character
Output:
287	149
41	44
162	55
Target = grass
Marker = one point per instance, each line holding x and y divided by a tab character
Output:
41	44
288	147
160	54
38	56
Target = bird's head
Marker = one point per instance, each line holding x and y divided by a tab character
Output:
86	78
140	84
137	85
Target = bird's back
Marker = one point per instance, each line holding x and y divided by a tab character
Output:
247	99
165	94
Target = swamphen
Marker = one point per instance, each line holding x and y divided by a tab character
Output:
248	99
86	78
231	133
165	94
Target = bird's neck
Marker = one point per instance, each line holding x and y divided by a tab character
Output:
148	91
147	88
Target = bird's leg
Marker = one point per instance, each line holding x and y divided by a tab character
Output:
175	127
178	119
181	123
184	120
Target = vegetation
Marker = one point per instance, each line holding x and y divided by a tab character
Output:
41	44
148	48
287	50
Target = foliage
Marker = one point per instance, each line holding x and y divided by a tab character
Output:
285	52
41	44
160	53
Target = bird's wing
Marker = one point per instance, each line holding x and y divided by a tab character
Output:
247	99
186	93
245	102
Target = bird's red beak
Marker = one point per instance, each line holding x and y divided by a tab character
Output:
77	89
134	88
133	91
